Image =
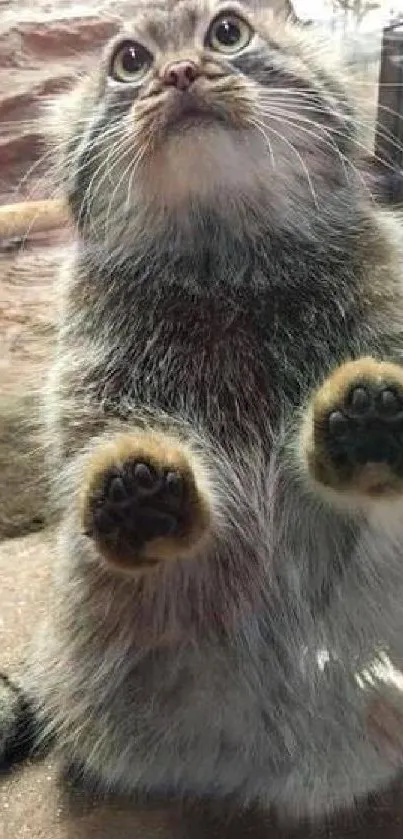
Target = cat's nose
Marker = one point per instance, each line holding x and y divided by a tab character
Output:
180	74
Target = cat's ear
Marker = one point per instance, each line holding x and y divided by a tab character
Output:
290	12
284	8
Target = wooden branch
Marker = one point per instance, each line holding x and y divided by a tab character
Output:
32	217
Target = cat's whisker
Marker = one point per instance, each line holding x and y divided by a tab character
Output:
362	147
363	83
230	84
31	170
289	92
134	162
100	156
383	134
107	166
111	134
260	128
391	111
368	123
146	107
264	128
325	139
296	116
47	178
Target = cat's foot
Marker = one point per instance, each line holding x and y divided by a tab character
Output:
143	502
353	434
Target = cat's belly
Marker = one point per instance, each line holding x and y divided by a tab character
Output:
202	722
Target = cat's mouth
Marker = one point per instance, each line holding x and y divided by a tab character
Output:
201	145
186	111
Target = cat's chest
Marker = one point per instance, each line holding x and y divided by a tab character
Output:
232	361
202	360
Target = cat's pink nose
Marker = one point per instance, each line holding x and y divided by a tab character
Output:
180	74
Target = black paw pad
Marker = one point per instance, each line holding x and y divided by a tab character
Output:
367	426
138	503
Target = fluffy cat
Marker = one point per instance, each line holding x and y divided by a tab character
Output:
225	420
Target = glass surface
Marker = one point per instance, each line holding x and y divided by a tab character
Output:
359	28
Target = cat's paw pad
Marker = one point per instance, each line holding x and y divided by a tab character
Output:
354	436
147	502
142	502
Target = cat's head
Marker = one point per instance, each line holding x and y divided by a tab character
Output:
199	105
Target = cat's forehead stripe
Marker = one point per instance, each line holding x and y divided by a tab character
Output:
168	23
179	26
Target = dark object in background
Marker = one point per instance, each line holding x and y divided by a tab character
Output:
386	184
389	133
391	187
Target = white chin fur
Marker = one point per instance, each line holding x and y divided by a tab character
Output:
203	162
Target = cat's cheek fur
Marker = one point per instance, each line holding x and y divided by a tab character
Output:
208	162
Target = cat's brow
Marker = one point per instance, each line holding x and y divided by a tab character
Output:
167	31
169	23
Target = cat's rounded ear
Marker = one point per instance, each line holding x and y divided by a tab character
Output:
291	14
284	8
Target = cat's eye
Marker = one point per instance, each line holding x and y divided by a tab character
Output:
229	33
130	62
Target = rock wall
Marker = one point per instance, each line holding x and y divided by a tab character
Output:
42	48
41	52
27	315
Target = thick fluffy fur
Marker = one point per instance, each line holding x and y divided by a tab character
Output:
223	269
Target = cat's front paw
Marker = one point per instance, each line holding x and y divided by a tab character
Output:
143	502
353	433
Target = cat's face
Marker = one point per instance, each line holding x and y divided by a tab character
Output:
205	104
